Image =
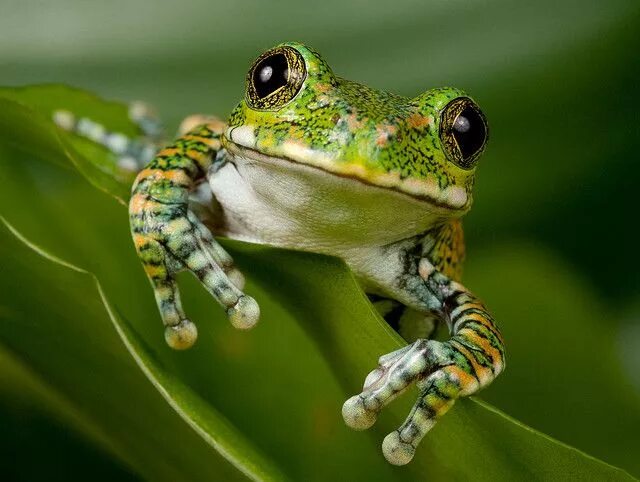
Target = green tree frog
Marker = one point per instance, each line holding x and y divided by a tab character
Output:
310	161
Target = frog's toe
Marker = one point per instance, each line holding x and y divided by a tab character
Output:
356	415
139	109
191	243
223	259
385	362
420	362
131	153
438	393
64	119
397	451
245	313
373	377
236	277
389	358
181	336
393	376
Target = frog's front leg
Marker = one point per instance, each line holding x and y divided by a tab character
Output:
169	237
442	371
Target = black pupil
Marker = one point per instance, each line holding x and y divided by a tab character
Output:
469	131
270	74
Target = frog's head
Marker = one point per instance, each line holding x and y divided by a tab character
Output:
296	109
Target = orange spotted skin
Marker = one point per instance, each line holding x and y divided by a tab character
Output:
447	253
162	188
159	197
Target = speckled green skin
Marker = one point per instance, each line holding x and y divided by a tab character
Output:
376	157
360	131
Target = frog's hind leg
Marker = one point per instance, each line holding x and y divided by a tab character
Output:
409	323
438	393
132	153
146	118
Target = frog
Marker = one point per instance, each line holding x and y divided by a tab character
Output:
313	162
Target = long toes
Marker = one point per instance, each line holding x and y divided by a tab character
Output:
389	358
223	259
373	378
437	396
356	415
397	451
383	385
385	365
245	313
197	255
181	336
236	277
385	390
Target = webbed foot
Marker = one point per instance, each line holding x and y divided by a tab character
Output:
440	375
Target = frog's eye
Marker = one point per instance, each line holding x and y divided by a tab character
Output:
463	132
275	78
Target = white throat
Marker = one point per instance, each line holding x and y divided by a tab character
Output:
291	205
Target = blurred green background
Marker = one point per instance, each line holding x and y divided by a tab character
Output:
552	243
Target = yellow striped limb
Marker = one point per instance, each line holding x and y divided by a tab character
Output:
169	237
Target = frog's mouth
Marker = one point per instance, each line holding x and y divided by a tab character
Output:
240	142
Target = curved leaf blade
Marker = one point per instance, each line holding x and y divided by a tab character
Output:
95	236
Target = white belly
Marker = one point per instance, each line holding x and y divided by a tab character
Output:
290	205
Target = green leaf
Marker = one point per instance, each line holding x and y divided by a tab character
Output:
61	330
565	375
32	426
266	402
32	109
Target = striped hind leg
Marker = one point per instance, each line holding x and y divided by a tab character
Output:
438	392
133	153
146	118
443	371
409	323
